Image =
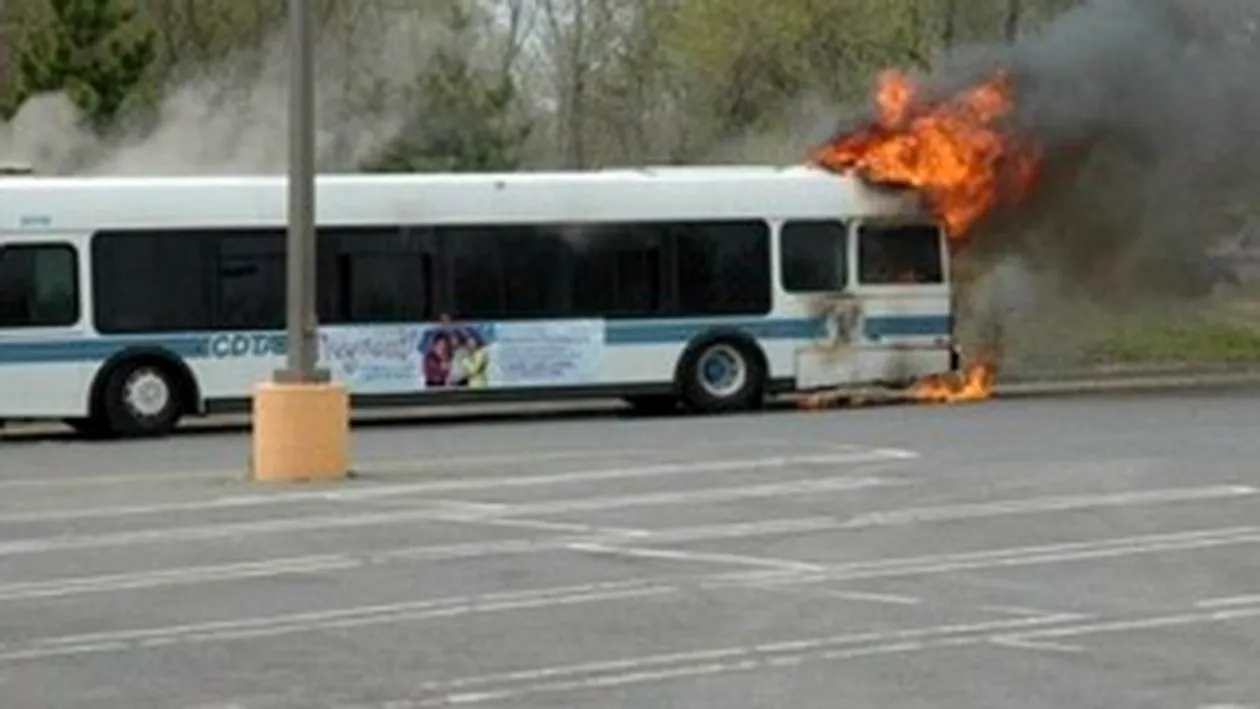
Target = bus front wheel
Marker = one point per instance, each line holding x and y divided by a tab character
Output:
723	375
142	398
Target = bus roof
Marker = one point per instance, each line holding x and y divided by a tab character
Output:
646	194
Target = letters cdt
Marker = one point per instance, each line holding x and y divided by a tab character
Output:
247	345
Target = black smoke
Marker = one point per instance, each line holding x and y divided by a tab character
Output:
1149	115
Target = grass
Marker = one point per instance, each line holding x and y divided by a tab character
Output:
1179	343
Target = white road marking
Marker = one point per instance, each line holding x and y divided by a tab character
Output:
186	576
652	669
281	566
1019	611
1227	602
543	525
1004	558
533	599
173	535
695	557
891	599
946	513
464	485
1020	643
1139	624
887	599
657	668
417	466
683	672
342	618
702	496
796	645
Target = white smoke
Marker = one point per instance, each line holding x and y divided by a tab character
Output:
233	117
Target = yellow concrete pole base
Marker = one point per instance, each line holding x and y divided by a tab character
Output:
301	432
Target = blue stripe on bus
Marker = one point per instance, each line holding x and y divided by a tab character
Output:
198	346
907	326
88	349
671	331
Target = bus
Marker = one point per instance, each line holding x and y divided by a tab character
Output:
128	304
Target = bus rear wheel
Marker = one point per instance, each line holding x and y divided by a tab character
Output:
723	375
142	398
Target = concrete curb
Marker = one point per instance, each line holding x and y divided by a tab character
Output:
1122	382
1127	372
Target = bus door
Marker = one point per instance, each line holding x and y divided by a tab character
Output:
814	267
901	276
43	372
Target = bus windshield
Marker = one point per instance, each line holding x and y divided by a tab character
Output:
901	254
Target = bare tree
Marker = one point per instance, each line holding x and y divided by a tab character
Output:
1010	26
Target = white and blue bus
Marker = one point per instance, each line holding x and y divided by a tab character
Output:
127	304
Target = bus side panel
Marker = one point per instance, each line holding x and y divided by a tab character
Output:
624	362
640	363
781	358
233	377
905	332
44	389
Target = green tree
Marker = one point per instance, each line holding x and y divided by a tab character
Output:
467	122
94	50
466	118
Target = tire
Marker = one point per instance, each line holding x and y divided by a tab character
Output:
142	399
723	376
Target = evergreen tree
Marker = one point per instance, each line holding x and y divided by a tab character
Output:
466	118
93	50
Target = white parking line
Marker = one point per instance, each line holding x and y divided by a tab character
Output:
465	485
1017	642
535	599
1019	611
1228	602
1007	558
694	557
1063	503
185	576
342	618
1149	623
236	530
771	578
887	599
393	466
701	496
174	535
654	669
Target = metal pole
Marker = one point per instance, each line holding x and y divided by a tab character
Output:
301	322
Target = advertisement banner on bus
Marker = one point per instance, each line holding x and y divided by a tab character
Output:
379	359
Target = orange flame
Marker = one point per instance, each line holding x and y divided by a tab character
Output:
955	152
974	383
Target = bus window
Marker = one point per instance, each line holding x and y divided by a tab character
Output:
891	255
616	270
375	275
39	286
506	272
251	280
813	256
723	268
153	281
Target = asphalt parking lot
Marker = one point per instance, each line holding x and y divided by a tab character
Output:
1089	551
